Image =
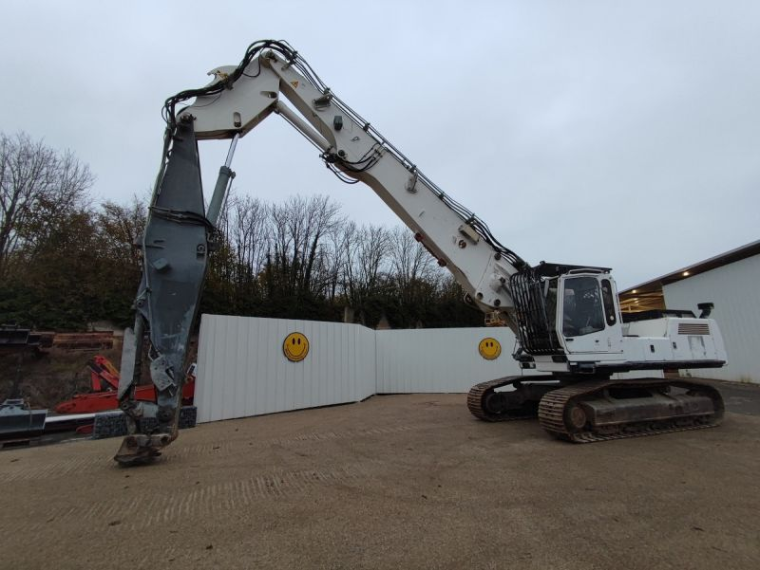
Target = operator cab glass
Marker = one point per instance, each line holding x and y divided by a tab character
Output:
582	307
550	294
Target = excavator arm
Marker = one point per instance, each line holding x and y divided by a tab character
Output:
566	318
355	151
271	79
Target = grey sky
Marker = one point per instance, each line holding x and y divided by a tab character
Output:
624	134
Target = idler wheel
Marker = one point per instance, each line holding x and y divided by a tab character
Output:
577	417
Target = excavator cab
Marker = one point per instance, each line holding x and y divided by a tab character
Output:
582	307
566	309
588	317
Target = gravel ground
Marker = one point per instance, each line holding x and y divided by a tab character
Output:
393	482
740	398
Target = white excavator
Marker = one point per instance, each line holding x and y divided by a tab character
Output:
573	339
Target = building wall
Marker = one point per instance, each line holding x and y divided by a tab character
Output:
734	290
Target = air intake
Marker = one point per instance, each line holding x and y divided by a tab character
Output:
694	328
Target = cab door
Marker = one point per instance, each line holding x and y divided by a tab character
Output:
589	316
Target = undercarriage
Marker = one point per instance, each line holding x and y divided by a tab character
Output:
585	410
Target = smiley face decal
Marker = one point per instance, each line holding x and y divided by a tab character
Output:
489	348
295	347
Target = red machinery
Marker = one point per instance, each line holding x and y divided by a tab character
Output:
104	382
104	376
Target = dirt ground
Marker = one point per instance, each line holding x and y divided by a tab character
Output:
393	482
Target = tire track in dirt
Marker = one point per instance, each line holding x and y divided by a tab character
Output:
133	513
63	467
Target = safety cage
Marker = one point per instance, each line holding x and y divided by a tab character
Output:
536	334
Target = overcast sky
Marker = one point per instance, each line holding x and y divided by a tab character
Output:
622	134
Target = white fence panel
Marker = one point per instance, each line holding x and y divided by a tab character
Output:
242	370
440	360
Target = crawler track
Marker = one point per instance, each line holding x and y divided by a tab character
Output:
556	408
486	404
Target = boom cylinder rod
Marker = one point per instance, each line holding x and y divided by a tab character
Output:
231	152
222	184
301	125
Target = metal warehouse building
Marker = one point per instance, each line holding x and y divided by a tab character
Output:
730	281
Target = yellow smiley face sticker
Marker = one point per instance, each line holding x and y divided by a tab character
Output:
489	348
295	347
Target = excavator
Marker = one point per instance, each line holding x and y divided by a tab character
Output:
573	340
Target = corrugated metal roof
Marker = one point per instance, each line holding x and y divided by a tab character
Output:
731	256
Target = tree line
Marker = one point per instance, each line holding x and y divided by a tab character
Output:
66	263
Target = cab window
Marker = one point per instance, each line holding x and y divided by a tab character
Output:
582	313
551	305
609	302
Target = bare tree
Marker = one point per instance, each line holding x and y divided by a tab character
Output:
409	259
321	220
120	228
299	250
38	188
372	254
249	236
338	247
365	264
